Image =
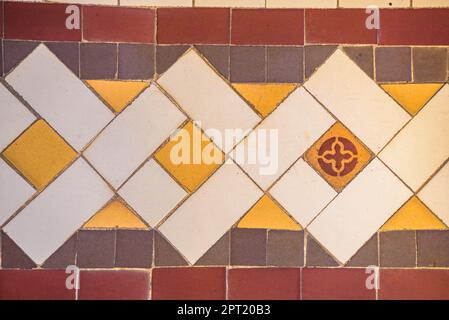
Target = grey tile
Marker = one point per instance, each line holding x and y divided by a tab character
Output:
96	249
165	254
13	256
363	57
135	61
218	56
393	64
368	254
16	51
64	256
167	55
430	64
433	248
397	249
98	60
68	53
315	56
134	249
218	254
248	247
285	248
285	64
316	255
248	64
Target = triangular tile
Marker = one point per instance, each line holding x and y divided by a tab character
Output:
15	51
315	56
64	256
317	256
118	94
413	215
165	254
412	96
67	52
13	256
166	56
115	215
266	214
218	254
264	97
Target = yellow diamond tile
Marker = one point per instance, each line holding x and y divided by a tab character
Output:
189	144
118	94
266	214
338	156
413	215
115	215
412	96
39	154
264	97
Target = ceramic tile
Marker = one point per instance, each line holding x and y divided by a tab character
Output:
96	248
231	3
64	256
317	256
298	122
58	211
68	53
194	227
15	51
167	55
59	97
135	61
363	57
356	213
393	64
248	247
430	3
422	136
148	121
219	107
285	248
285	64
134	249
158	3
218	56
432	248
165	255
302	192
145	189
98	60
315	56
429	64
218	254
397	249
377	3
301	3
368	254
248	64
12	256
374	124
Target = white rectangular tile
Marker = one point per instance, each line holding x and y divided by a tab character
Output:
59	97
302	192
152	193
357	101
14	191
359	211
299	121
99	2
301	3
157	3
134	135
430	3
423	145
231	3
206	97
61	209
203	218
14	117
435	194
377	3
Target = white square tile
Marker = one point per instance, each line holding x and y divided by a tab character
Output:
203	218
357	101
435	194
59	97
14	117
302	192
134	135
301	3
359	211
152	193
206	97
61	209
299	121
14	191
423	145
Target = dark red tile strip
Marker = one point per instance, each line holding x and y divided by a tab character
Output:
193	26
267	26
338	26
34	285
414	27
117	24
38	21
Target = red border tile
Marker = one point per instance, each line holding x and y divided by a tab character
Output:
118	24
193	25
189	283
38	21
267	26
414	284
338	26
264	284
417	26
335	284
34	285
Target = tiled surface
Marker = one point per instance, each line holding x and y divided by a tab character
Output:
88	118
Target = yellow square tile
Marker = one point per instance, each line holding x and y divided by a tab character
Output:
39	154
187	156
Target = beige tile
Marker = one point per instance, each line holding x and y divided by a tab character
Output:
301	3
378	3
231	3
157	3
430	3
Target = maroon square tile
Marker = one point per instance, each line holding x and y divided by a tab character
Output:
285	248
135	61
336	284
218	254
363	57
68	53
167	55
165	254
414	284
285	64
218	56
197	283
64	256
264	284
12	256
134	249
114	285
393	64
193	25
429	64
248	247
248	64
96	249
14	52
38	21
98	60
433	248
397	249
118	24
34	285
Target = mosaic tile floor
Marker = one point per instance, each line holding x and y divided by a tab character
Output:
90	118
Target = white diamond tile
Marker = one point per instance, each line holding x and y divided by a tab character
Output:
203	218
152	193
359	211
302	192
206	97
357	101
435	194
14	191
61	209
14	117
134	135
423	145
59	97
299	121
